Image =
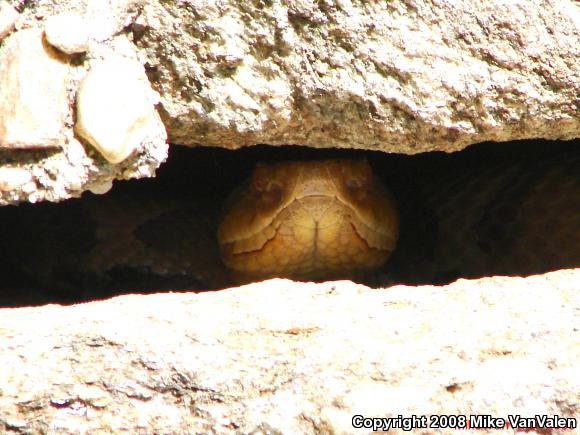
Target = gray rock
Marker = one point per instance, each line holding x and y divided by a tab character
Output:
38	84
398	76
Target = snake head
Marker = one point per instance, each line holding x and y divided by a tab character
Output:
308	219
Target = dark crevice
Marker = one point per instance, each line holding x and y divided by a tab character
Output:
464	214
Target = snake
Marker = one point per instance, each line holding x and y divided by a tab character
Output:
310	219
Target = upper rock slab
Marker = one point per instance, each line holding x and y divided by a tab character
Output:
404	76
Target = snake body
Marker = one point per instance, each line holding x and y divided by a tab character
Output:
310	219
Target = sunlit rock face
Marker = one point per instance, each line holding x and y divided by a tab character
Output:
33	106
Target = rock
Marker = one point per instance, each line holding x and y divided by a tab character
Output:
12	178
399	76
103	19
106	19
33	97
101	189
293	358
115	111
8	16
68	32
281	357
28	85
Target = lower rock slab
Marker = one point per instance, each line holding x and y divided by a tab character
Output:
285	357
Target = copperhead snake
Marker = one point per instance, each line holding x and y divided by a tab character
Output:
317	219
308	220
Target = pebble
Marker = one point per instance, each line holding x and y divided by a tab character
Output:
115	110
13	178
68	32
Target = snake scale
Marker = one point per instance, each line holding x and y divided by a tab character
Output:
321	218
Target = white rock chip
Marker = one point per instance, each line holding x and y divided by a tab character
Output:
101	189
13	178
33	98
68	32
8	16
115	108
30	188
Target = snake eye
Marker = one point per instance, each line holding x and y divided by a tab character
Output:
357	176
271	192
353	183
261	177
267	188
273	187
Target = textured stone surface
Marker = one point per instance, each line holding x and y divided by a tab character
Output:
403	76
69	172
8	16
294	358
68	32
33	97
36	112
12	178
103	19
398	76
115	108
68	168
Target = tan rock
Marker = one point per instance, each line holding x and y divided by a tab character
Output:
33	98
294	358
12	178
115	108
8	16
68	32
